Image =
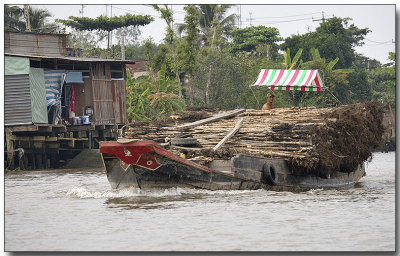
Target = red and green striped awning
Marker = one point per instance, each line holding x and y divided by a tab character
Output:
290	79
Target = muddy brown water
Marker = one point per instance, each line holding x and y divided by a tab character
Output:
76	210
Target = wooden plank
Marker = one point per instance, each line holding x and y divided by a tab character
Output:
70	139
10	149
187	148
95	134
39	138
211	119
229	135
71	143
45	128
38	144
59	128
24	128
52	145
23	138
51	138
81	134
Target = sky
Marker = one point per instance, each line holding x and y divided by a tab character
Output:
288	19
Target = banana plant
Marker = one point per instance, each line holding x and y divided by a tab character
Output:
289	63
317	57
148	99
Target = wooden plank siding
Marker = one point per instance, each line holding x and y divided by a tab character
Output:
103	102
119	97
35	44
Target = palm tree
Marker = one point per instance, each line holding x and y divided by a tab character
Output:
211	15
14	19
37	18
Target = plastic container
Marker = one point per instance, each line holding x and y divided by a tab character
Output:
85	120
75	120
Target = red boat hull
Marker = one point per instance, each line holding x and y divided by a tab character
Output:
144	164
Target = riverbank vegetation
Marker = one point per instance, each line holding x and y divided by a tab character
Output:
216	61
209	61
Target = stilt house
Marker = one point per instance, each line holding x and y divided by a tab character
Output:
58	103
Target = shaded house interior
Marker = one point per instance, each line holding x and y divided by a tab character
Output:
95	87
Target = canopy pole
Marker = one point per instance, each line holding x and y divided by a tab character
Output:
333	95
255	97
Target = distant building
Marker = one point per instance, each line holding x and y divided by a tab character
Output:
137	69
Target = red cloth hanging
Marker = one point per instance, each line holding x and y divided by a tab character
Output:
72	100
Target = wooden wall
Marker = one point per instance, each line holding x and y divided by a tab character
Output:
35	44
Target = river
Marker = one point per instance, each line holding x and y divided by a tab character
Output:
76	210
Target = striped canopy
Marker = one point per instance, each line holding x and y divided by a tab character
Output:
290	79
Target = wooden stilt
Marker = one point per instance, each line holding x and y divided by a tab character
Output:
10	149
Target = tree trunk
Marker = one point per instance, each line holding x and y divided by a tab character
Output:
189	86
123	46
176	69
207	97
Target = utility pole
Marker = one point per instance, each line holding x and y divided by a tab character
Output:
240	16
323	18
27	20
108	32
80	33
82	7
111	31
394	45
123	46
250	19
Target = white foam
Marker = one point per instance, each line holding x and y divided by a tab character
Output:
82	192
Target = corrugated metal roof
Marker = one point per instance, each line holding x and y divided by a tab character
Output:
37	33
71	58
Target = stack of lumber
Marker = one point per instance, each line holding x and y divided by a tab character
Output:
312	138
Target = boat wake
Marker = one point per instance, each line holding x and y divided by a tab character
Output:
84	193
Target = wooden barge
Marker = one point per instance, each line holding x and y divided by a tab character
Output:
145	165
297	148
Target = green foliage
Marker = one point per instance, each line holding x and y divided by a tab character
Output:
212	17
383	82
315	54
360	89
334	39
247	39
89	42
332	63
167	15
13	18
188	47
363	62
149	99
230	79
288	63
105	23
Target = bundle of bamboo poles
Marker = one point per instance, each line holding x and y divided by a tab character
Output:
328	138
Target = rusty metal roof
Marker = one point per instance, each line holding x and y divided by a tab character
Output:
36	33
77	59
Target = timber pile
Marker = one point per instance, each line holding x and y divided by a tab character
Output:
309	138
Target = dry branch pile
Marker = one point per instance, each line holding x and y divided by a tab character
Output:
310	138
